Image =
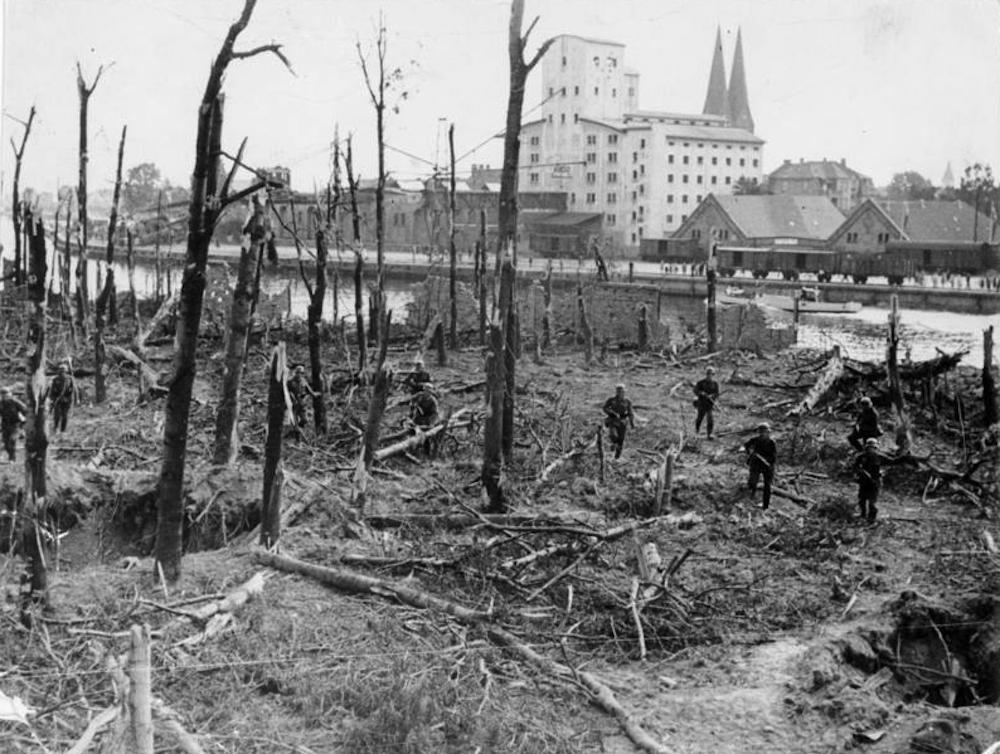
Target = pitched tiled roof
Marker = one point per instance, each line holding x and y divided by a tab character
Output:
923	220
712	133
782	215
666	115
567	218
813	169
825	169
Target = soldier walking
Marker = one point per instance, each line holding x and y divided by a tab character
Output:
61	393
865	426
298	389
707	393
869	470
12	416
618	417
762	456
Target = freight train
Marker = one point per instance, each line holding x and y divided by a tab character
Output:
899	260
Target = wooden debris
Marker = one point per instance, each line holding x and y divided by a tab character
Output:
827	380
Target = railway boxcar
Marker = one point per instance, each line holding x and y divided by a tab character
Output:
939	256
672	250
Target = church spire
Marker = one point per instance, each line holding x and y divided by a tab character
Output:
739	102
717	100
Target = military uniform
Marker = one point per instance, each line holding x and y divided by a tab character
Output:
297	391
762	457
12	415
60	399
866	426
869	470
707	392
618	413
417	380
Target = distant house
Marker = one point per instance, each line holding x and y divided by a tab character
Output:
874	224
845	187
761	220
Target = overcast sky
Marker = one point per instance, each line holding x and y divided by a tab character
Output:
889	85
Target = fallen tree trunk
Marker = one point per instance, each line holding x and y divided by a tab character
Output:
827	381
359	583
414	441
150	377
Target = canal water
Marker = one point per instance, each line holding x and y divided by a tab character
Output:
861	335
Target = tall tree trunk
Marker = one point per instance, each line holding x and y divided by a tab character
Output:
240	319
482	276
20	257
547	312
381	386
82	294
156	250
106	299
314	317
133	297
453	270
990	416
519	70
710	279
492	471
586	333
35	442
508	323
895	388
270	519
202	216
359	316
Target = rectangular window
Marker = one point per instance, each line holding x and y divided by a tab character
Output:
635	216
612	138
635	175
642	170
534	141
642	189
743	162
684	199
684	178
685	159
591	157
612	198
695	233
670	177
576	119
698	199
729	161
591	177
642	143
715	160
591	139
551	91
596	91
534	157
715	180
852	237
614	92
670	219
684	218
611	218
591	198
562	117
670	159
533	178
756	163
729	180
564	91
612	157
635	157
670	198
701	160
612	177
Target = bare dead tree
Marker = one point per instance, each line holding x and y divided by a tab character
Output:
519	70
359	261
207	204
156	249
377	82
381	385
16	211
133	297
33	508
106	299
990	414
82	294
255	232
453	268
277	403
497	364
